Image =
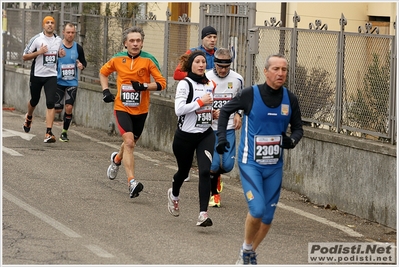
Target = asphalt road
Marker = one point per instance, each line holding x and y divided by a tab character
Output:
59	208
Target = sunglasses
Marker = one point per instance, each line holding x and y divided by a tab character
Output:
223	66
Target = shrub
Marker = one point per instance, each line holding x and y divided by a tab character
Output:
369	107
314	90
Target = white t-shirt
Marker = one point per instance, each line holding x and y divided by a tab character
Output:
226	89
44	65
191	117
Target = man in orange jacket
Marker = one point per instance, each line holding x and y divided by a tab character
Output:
131	103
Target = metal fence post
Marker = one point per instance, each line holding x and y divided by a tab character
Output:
3	62
80	20
105	25
393	105
62	18
293	54
166	48
40	15
23	33
340	84
224	22
252	49
202	20
249	58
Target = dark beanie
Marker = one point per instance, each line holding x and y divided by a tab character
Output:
193	55
208	30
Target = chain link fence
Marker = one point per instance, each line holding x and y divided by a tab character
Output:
367	88
345	82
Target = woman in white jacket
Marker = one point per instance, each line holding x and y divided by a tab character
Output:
193	106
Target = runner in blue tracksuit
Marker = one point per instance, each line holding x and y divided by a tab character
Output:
268	109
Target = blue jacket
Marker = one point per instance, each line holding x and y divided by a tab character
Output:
209	57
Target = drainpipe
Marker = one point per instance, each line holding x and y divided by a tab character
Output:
283	14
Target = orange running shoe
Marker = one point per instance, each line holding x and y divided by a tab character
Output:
219	186
214	201
49	138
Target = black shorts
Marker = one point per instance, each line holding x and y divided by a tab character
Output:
130	123
65	95
50	86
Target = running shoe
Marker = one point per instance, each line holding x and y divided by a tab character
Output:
113	167
49	138
219	185
214	201
173	205
187	179
135	188
204	220
27	124
246	257
64	137
211	201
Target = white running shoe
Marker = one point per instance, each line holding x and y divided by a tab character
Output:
113	167
204	220
173	205
187	179
135	188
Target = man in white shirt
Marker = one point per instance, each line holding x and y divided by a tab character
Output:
44	49
228	84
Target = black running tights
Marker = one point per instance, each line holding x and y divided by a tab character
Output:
184	146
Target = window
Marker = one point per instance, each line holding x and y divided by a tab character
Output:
381	22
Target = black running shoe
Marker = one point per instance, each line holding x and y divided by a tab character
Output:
27	124
64	137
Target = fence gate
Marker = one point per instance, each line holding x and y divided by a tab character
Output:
231	21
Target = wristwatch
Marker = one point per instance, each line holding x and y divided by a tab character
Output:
145	85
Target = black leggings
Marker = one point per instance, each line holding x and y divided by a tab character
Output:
184	145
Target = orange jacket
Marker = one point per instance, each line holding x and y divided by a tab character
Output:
179	74
140	69
209	55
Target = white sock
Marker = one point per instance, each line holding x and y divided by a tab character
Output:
246	246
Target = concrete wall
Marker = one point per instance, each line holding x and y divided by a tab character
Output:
356	175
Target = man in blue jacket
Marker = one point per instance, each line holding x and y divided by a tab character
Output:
209	38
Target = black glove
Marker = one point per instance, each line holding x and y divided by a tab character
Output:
288	142
222	146
108	97
139	86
